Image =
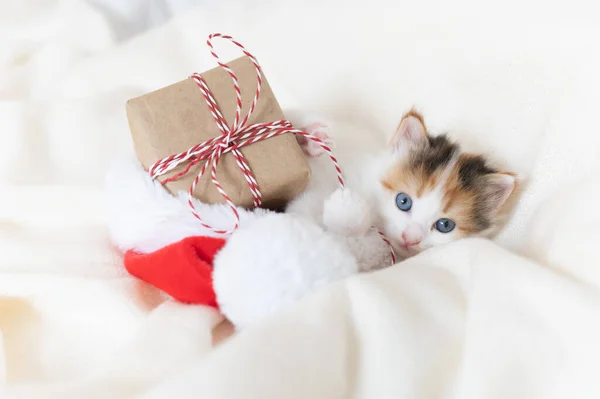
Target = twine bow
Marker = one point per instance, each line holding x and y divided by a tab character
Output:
231	140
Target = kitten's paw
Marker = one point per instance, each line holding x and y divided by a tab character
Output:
347	213
310	147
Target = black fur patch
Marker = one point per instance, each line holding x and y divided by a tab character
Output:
436	155
471	170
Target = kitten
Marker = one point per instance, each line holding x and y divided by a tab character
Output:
424	190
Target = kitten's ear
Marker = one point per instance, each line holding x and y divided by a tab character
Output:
499	187
411	132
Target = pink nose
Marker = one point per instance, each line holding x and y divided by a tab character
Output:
410	241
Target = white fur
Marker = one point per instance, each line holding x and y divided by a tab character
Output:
417	223
348	213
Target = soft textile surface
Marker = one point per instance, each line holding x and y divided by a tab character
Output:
517	318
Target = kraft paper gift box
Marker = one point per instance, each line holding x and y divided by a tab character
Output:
175	118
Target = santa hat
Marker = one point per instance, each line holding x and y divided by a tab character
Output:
271	261
163	243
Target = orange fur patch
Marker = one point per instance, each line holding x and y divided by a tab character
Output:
415	182
398	179
459	204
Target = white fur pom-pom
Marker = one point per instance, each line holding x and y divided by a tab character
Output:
274	261
346	212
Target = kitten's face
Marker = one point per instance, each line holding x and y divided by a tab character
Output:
432	194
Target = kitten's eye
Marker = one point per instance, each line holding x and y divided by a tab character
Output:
444	225
403	202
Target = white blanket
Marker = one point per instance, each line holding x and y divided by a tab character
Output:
518	318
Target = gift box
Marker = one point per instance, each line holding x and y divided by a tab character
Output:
175	118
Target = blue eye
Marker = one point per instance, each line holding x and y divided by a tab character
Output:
403	202
444	225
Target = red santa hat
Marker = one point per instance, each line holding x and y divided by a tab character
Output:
163	243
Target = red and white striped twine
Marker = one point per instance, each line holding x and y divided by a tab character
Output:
239	135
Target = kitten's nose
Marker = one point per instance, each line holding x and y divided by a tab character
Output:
410	240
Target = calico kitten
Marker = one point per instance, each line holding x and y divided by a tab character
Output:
424	190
